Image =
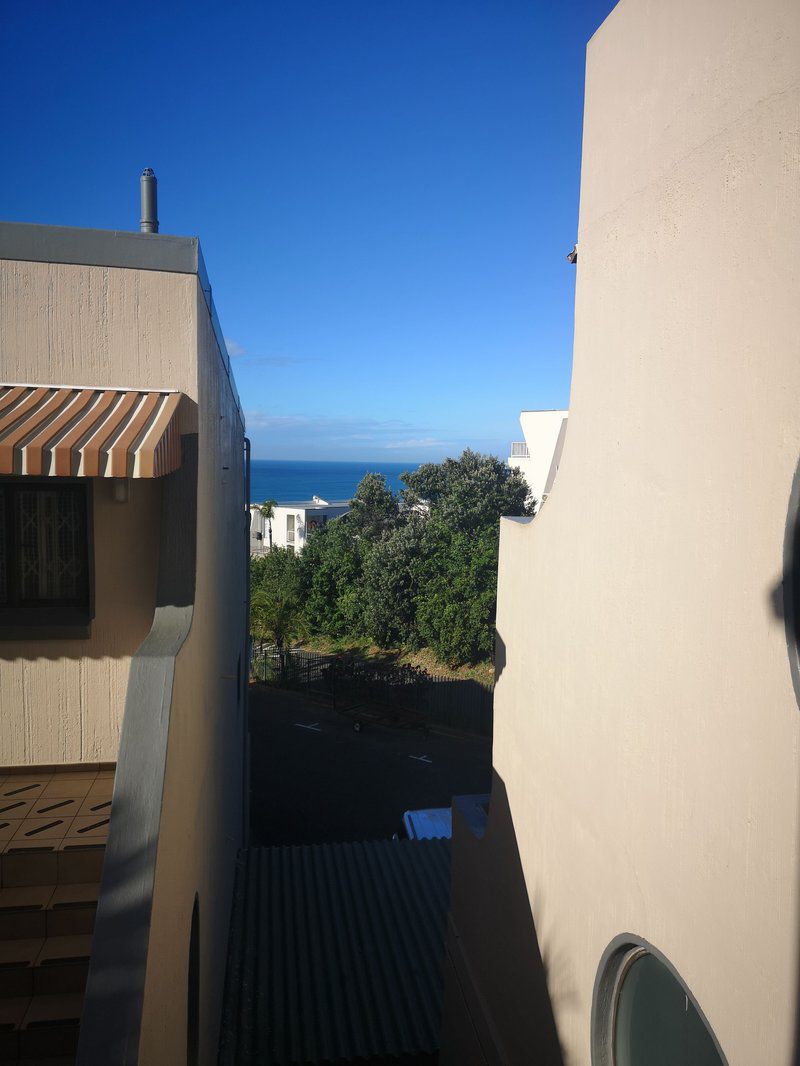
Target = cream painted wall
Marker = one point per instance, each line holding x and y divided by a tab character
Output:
62	324
62	701
202	814
646	728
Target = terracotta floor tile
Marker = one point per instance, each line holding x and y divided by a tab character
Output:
67	785
14	808
51	827
92	830
23	789
95	806
56	806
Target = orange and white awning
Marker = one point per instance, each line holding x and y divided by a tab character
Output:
66	432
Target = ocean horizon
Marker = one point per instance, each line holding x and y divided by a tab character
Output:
287	480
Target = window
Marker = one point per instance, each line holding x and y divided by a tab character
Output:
44	554
645	1016
290	529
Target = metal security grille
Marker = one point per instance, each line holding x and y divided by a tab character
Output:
43	546
50	559
3	579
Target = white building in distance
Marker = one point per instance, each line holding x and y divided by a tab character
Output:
538	455
293	522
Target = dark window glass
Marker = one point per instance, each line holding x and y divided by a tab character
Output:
657	1024
44	557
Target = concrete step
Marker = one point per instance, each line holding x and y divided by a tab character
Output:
53	827
48	966
53	830
47	910
39	1028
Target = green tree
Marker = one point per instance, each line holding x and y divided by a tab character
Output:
390	585
267	509
277	614
373	509
331	567
471	492
456	563
419	570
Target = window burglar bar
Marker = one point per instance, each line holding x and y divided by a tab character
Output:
43	547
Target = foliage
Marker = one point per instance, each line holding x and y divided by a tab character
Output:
267	510
276	606
413	570
331	567
391	586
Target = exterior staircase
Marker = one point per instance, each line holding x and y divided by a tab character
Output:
53	830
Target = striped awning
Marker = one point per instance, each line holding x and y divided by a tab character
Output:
66	432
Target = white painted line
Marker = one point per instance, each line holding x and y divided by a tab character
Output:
315	726
420	758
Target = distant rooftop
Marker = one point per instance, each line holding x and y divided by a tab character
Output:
309	505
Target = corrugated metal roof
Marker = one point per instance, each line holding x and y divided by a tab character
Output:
336	953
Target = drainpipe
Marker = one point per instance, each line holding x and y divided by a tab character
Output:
248	652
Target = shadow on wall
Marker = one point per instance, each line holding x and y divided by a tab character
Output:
498	974
116	969
499	657
784	598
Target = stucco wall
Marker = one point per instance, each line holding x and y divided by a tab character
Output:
202	812
63	324
646	727
63	700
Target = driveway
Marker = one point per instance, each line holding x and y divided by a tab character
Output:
313	780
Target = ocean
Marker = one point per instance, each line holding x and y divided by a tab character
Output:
297	479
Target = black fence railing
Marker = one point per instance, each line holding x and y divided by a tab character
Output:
407	695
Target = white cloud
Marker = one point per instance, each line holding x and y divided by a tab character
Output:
301	436
417	442
234	348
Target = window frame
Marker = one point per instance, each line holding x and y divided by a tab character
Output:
53	618
617	960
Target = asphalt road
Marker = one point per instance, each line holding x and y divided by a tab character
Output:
314	780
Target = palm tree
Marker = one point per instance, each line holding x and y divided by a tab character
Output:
276	615
267	509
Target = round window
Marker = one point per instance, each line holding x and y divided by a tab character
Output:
645	1016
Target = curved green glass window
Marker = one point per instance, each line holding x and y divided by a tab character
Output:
656	1022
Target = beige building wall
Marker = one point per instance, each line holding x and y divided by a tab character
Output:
202	813
646	727
62	700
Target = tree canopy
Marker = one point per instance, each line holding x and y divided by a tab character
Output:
414	569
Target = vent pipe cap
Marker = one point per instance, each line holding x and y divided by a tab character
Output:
148	185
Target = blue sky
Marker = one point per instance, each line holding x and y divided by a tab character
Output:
385	191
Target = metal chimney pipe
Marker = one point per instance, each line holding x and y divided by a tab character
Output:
149	189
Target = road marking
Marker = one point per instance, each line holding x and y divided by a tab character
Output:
420	758
315	726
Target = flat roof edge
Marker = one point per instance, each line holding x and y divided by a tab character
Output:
34	243
31	242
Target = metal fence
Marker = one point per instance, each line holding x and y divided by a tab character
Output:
406	694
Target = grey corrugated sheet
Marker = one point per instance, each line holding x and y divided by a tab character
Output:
336	953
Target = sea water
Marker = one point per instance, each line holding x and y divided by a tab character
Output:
297	479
